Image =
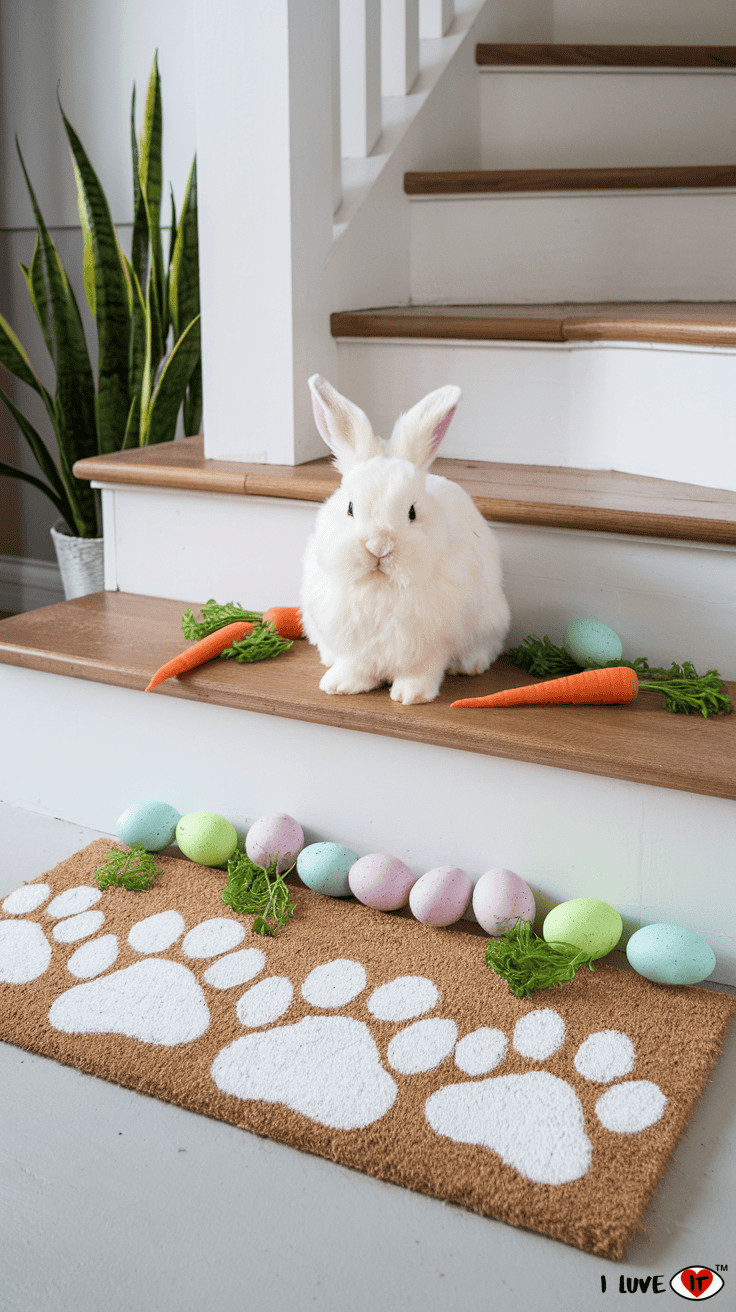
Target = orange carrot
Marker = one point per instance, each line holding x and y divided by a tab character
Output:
204	650
592	687
287	619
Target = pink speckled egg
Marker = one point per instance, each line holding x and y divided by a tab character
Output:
441	896
381	881
500	898
274	834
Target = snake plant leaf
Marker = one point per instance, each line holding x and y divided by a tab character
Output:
111	302
15	359
158	418
74	415
137	359
192	414
8	471
132	427
173	228
150	177
184	277
148	367
56	491
37	294
88	251
167	276
139	248
137	365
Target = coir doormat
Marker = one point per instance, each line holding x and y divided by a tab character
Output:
369	1039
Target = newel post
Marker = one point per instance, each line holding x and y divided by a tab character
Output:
264	95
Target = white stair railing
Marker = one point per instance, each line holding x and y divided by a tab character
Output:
286	92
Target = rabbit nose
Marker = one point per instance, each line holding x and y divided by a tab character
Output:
379	546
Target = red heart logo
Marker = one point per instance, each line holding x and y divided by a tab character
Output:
696	1282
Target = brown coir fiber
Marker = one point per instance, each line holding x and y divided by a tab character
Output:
676	1032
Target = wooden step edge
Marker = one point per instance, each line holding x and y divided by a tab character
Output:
690	517
119	639
594	519
480	182
553	54
528	328
371	323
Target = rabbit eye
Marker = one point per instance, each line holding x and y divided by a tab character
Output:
412	513
350	508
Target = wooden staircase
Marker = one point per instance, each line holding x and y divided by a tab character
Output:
622	506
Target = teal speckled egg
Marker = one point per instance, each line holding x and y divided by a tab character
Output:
324	868
207	838
591	642
592	926
670	954
151	824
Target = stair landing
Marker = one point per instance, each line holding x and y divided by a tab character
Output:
121	639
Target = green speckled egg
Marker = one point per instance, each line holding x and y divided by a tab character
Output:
324	868
206	837
592	926
591	642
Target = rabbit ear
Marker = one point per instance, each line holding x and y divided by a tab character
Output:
418	433
342	425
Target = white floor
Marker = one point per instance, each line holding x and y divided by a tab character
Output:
110	1200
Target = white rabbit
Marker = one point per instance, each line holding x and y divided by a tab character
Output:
402	578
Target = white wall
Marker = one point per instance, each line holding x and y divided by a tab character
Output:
643	22
95	50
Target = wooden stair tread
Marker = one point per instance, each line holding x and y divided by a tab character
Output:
478	182
541	54
120	639
701	323
603	501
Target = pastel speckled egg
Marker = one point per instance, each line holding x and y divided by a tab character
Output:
206	837
670	954
324	867
592	926
591	642
275	834
441	896
381	881
151	824
500	898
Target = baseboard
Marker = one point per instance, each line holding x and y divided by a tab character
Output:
27	584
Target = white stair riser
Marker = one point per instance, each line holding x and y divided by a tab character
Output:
596	118
667	600
592	246
656	854
663	411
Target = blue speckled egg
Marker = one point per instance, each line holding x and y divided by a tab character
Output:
324	868
591	642
670	954
151	824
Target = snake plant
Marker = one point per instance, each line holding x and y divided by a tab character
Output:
147	321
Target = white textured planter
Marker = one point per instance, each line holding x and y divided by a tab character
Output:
81	561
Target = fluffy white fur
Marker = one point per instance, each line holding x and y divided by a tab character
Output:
388	598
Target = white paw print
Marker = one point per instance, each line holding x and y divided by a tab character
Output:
535	1121
154	1000
329	1069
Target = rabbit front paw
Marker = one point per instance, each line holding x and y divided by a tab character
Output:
347	678
412	688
